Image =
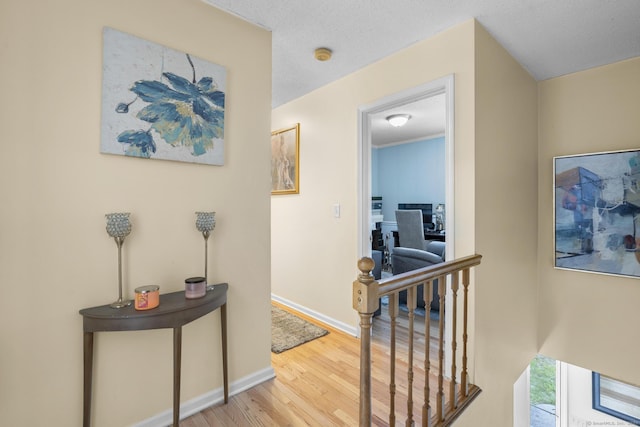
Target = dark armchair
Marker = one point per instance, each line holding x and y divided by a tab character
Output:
407	259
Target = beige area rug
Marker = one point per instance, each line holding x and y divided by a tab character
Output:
289	331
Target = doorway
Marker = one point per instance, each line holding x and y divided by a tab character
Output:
368	118
367	115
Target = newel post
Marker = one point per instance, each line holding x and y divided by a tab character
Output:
365	302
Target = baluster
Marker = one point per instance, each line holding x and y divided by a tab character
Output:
366	295
426	406
411	305
440	409
454	340
365	302
393	315
464	377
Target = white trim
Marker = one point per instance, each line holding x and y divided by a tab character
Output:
341	326
364	183
562	394
208	399
449	210
449	139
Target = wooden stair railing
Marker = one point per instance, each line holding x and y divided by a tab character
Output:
367	292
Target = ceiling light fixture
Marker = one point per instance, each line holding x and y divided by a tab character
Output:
323	54
397	120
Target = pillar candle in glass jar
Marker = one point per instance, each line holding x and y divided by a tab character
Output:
195	287
147	297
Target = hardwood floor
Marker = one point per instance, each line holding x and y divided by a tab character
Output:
317	384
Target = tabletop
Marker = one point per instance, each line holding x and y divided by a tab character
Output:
174	310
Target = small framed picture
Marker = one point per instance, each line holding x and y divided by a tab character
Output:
285	160
616	398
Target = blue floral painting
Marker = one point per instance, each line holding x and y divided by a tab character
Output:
158	103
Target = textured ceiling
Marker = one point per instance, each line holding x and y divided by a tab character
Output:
548	37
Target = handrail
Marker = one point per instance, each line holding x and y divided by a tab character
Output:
366	300
403	281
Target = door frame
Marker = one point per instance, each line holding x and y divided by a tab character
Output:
436	87
443	85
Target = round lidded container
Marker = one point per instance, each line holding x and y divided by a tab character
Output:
147	297
195	287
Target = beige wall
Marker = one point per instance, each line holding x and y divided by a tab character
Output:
314	255
505	215
55	255
587	319
56	258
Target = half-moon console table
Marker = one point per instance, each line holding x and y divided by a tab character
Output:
174	311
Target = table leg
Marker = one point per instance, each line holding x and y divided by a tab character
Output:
177	359
225	376
88	378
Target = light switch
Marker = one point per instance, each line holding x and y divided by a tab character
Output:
336	210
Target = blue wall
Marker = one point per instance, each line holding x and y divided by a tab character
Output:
408	173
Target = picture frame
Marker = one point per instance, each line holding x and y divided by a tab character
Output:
596	212
285	160
616	398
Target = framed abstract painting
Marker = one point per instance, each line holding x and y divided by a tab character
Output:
285	160
158	103
596	209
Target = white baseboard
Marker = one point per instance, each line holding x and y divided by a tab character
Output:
210	398
341	326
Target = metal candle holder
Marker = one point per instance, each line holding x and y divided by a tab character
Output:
119	227
205	223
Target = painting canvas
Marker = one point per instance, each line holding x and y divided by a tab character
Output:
596	208
158	103
285	160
